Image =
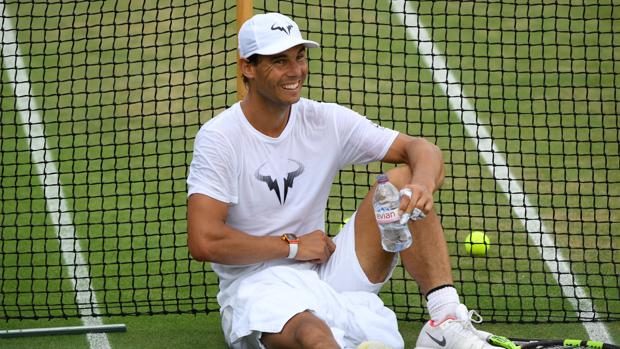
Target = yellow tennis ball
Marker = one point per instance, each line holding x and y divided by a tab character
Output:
344	222
477	243
372	345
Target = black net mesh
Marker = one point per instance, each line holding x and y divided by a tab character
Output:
101	101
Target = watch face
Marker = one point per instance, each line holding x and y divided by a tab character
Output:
290	237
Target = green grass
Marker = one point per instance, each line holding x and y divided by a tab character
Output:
124	86
188	331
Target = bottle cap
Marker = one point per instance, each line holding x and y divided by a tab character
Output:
382	178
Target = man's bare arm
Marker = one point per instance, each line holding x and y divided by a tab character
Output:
211	239
427	170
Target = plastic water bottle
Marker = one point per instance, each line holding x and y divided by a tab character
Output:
395	236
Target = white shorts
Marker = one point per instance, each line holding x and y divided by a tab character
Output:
338	292
343	271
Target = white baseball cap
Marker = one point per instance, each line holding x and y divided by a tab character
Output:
268	34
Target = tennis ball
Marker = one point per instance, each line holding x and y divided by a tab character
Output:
372	345
477	243
344	222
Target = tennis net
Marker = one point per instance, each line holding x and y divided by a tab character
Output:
101	102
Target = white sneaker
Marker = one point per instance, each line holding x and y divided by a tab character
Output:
454	333
373	345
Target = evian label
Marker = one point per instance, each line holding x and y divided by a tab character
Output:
387	216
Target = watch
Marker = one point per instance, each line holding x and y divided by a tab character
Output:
293	244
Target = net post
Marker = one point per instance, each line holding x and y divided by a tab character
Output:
244	12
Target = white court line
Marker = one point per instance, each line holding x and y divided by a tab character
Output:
32	123
538	232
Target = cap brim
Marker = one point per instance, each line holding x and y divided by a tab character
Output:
282	46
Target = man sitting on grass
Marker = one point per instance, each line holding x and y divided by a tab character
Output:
258	186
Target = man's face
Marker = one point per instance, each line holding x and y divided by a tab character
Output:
280	77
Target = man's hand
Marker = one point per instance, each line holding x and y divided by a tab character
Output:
415	197
315	247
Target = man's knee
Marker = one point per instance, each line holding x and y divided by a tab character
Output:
315	335
400	175
304	330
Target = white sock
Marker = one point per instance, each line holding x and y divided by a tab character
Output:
442	303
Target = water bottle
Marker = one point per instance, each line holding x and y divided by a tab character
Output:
395	236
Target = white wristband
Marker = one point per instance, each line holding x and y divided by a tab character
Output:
406	192
292	250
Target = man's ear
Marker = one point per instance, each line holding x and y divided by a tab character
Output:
247	68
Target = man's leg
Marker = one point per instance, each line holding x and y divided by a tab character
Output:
303	330
429	264
427	260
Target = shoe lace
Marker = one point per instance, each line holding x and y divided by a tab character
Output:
467	323
475	317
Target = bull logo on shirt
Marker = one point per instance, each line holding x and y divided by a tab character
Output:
272	183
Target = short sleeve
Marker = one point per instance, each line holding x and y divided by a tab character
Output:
361	140
212	171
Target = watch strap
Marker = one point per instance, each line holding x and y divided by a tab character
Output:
293	244
293	247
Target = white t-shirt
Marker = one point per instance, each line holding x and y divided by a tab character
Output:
278	185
